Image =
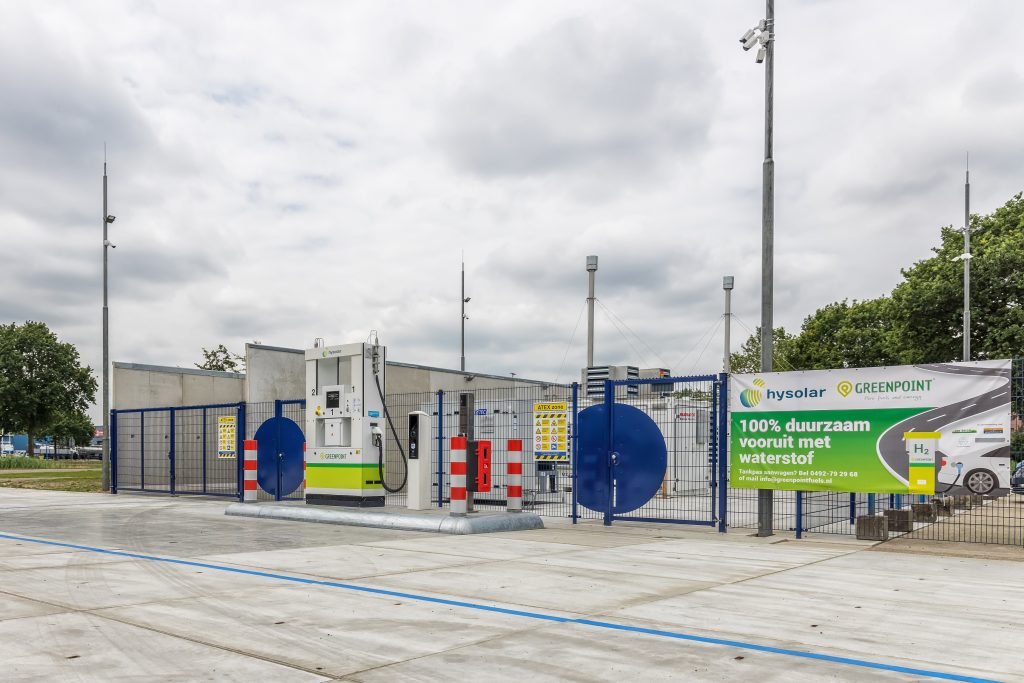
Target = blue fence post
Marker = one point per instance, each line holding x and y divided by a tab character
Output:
278	453
723	452
240	448
609	402
170	452
204	450
853	508
440	448
575	418
714	425
112	440
871	503
142	451
799	514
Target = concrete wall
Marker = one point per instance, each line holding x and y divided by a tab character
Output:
274	373
406	378
155	386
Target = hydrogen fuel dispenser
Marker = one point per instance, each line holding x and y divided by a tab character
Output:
346	426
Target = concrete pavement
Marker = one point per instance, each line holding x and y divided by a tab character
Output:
190	594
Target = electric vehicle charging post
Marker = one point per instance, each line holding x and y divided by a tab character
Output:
345	425
419	494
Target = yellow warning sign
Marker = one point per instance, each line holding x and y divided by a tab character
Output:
227	436
551	431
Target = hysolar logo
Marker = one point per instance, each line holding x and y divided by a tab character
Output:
751	397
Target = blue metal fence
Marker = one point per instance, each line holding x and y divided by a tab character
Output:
175	450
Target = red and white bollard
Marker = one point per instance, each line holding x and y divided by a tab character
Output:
458	477
514	498
249	472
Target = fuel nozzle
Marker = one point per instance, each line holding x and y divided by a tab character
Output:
377	436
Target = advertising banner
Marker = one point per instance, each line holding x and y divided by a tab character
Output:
873	430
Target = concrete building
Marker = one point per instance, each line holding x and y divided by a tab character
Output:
156	386
274	373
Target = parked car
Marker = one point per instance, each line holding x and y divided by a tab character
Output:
1017	481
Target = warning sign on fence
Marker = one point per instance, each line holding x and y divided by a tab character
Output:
551	431
227	436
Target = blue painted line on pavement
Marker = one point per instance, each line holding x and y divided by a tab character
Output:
522	613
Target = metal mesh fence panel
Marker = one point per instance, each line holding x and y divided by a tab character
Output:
199	468
128	444
497	416
684	412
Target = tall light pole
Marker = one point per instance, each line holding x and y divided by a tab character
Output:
727	284
763	36
107	220
591	275
967	263
465	300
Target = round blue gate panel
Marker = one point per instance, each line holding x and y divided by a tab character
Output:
639	469
280	451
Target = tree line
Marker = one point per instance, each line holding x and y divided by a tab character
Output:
921	320
44	388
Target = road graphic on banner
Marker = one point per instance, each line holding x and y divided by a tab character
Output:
890	445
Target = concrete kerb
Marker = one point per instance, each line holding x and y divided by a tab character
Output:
441	524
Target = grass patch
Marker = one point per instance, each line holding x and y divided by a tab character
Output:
23	462
81	476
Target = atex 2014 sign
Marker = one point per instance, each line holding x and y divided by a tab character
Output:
937	428
551	431
227	436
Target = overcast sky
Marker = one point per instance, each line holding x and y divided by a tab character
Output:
284	171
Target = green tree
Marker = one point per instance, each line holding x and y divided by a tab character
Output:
73	428
221	359
41	379
928	304
748	358
847	335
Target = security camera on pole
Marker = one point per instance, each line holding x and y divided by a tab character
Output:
763	35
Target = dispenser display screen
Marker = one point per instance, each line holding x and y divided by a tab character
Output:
333	399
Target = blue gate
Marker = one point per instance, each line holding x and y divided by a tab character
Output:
182	450
654	450
197	450
280	453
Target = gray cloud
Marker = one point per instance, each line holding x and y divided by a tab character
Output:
585	94
283	175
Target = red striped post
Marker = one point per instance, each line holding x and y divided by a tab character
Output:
514	499
249	472
458	476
